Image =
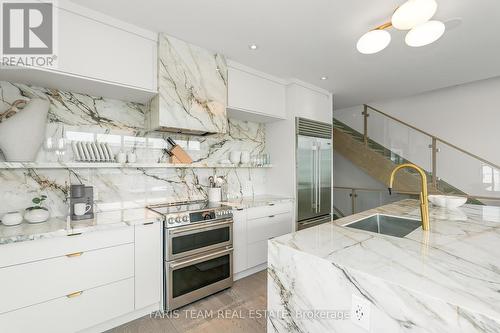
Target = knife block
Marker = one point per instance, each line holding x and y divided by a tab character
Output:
179	156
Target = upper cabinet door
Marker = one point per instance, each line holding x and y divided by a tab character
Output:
192	86
256	94
309	102
95	50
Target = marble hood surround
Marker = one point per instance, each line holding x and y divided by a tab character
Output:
192	90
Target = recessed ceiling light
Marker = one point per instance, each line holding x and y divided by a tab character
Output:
373	41
253	47
324	78
425	34
413	13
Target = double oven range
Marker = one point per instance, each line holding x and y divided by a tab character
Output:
198	251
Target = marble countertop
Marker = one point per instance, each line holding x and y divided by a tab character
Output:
61	226
256	201
457	261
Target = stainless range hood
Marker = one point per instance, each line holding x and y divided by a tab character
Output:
192	90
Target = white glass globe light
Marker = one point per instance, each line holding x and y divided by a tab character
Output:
373	41
413	13
425	34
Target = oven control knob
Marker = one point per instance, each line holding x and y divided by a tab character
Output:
185	218
170	220
178	219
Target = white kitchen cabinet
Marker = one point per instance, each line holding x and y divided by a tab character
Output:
257	253
239	240
52	281
253	227
96	55
39	281
97	50
24	252
255	96
72	313
309	102
148	264
264	228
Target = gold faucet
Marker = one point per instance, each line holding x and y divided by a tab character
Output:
424	202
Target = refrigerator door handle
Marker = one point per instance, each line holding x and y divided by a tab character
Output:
319	178
313	182
316	179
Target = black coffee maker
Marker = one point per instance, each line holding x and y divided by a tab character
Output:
81	194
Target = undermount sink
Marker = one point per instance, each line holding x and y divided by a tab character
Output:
386	224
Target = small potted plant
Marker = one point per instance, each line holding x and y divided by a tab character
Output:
37	213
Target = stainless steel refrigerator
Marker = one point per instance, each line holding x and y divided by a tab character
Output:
314	172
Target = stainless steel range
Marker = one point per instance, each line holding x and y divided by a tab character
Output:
198	250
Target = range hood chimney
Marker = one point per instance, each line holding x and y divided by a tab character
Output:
192	90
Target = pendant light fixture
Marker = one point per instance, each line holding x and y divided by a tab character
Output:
413	15
425	34
373	41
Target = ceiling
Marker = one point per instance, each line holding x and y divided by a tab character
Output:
308	39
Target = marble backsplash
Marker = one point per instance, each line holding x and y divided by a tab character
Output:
121	124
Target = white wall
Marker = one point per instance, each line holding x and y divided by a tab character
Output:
467	116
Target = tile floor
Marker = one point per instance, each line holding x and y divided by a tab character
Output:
235	310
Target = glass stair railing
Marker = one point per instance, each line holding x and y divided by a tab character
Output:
450	169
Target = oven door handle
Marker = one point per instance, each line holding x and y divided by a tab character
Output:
177	264
199	227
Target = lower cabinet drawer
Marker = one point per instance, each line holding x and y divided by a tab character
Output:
29	251
40	281
268	227
271	209
71	314
257	253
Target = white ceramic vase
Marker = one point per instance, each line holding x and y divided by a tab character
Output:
22	135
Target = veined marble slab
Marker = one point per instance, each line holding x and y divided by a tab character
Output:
444	280
59	226
121	124
192	85
256	201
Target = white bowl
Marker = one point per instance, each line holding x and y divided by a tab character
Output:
447	201
455	202
12	218
438	200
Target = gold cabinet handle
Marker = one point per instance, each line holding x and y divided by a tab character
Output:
76	254
76	294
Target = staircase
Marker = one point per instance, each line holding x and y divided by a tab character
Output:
378	162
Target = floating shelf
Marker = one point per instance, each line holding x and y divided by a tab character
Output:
97	165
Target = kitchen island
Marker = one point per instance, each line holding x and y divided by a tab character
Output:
331	278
